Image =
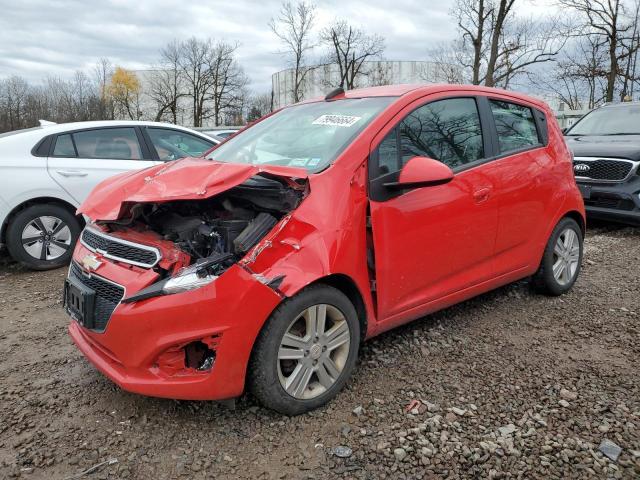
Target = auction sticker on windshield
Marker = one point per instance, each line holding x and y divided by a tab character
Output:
336	120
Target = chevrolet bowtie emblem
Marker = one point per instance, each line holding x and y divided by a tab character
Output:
90	263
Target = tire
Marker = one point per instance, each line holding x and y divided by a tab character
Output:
43	223
545	280
269	373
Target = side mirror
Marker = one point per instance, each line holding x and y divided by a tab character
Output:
421	172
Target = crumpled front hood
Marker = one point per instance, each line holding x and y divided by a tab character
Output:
186	179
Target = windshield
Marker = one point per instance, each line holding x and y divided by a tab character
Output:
307	136
618	120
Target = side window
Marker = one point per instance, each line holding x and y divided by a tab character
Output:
446	130
64	146
388	159
174	144
108	143
515	125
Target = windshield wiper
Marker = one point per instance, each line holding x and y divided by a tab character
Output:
621	133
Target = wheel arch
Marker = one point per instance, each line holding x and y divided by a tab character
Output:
37	201
348	287
575	215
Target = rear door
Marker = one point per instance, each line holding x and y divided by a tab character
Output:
81	159
434	241
525	183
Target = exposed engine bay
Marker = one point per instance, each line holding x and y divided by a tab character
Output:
220	230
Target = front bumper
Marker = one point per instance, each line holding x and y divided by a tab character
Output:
618	202
140	337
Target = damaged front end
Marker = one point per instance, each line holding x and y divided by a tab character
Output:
198	240
150	238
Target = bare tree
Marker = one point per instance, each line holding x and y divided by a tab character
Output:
293	27
258	106
166	83
349	48
496	46
443	67
14	94
578	78
473	17
102	72
609	23
631	47
194	61
380	74
228	81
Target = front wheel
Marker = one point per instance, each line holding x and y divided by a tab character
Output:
562	258
42	237
306	351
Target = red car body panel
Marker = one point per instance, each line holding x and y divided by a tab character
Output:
433	247
130	349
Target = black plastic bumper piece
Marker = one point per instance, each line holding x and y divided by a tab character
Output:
616	202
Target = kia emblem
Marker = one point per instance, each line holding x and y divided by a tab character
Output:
581	167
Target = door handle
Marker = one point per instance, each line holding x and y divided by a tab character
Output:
481	195
71	173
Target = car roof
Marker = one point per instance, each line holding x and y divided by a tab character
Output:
620	105
36	133
63	127
425	89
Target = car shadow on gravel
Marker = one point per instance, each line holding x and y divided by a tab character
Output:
456	317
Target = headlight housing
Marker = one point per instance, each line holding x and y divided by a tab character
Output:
189	278
201	273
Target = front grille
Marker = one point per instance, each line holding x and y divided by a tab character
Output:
118	249
107	296
604	169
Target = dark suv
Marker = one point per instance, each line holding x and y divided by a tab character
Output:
606	148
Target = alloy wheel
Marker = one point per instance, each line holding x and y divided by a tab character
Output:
313	351
566	256
46	238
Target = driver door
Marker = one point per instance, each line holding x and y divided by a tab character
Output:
431	242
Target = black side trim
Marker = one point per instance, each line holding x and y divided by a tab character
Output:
147	154
409	186
489	132
542	126
43	147
154	290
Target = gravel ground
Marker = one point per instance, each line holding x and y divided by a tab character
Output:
508	385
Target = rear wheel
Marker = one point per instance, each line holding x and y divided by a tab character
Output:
42	237
306	351
561	261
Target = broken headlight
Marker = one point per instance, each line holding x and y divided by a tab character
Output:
201	273
189	278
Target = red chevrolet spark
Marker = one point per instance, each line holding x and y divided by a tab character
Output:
267	263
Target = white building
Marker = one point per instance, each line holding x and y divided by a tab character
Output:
321	79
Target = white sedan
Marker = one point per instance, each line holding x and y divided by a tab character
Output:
47	171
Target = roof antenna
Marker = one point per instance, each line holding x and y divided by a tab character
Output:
334	93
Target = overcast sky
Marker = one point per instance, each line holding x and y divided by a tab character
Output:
57	37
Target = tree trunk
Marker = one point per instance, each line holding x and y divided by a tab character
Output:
477	45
